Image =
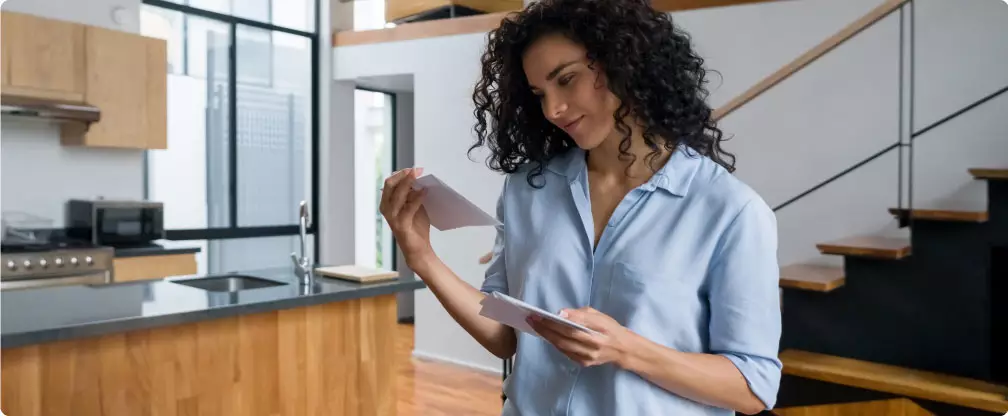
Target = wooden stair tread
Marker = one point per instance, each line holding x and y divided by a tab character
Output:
989	173
942	214
868	246
812	277
927	385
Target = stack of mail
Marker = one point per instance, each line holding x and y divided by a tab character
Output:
513	312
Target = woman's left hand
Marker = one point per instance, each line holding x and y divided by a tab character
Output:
610	345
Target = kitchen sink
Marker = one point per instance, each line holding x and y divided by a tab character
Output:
229	283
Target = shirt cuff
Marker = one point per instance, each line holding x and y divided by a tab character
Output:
761	374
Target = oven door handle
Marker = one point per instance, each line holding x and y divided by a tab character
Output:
84	279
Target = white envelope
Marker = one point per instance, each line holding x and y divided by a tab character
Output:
448	209
513	312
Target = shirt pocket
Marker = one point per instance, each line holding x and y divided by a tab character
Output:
657	304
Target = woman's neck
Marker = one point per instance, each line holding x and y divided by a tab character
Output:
605	160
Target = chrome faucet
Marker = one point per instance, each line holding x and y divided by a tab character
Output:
303	264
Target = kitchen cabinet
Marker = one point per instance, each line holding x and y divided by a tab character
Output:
42	58
123	74
126	78
129	269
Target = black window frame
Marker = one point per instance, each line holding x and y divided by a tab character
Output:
233	231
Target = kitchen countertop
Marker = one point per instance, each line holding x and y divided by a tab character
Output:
153	250
41	315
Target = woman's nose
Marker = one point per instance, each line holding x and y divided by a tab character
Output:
554	108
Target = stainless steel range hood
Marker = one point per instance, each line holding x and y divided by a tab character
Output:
49	109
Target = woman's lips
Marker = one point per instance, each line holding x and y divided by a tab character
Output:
573	125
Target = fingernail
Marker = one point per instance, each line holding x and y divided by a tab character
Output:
563	313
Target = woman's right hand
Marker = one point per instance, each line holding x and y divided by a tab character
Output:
402	207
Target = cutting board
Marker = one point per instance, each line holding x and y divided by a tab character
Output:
354	273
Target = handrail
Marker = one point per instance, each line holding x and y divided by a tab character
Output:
810	56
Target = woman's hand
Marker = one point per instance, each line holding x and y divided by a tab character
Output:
402	207
610	345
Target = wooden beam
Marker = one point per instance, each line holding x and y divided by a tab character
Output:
941	214
487	22
420	30
812	277
959	391
900	407
989	173
867	246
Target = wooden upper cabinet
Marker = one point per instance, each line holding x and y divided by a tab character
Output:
4	52
156	97
123	74
116	84
42	57
126	78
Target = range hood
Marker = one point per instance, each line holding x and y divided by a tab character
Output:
49	108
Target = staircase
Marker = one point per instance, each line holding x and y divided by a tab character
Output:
906	326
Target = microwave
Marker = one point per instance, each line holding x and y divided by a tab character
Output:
115	223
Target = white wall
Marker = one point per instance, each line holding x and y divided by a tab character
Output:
38	174
113	14
444	70
336	174
404	158
829	116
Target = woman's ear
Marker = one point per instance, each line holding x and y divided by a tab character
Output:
600	80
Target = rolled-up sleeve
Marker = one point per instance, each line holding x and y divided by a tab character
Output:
496	273
745	322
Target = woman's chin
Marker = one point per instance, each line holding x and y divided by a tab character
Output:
587	143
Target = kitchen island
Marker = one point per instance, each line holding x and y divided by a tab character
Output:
165	347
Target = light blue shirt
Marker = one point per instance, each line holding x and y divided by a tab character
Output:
687	260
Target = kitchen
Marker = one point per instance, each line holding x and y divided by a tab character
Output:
143	275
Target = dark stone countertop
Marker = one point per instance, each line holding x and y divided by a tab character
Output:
35	316
153	250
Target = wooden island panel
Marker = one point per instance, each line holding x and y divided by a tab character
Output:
331	359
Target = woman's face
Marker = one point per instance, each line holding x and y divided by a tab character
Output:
573	96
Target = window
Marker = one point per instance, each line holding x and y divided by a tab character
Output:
242	130
291	14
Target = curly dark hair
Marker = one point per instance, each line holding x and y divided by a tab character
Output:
650	64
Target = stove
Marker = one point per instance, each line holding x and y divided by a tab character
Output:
26	265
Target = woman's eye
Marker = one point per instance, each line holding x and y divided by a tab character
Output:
565	79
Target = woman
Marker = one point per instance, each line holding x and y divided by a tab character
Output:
620	211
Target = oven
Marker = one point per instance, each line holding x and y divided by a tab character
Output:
53	263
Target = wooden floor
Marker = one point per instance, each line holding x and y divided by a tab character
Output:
433	388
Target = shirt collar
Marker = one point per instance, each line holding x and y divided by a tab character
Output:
673	177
